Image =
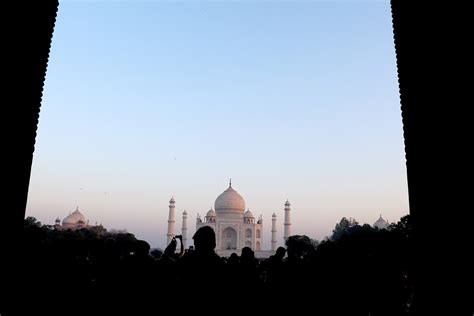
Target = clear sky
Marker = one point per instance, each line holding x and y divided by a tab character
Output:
145	100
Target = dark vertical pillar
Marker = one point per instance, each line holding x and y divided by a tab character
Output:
26	40
433	112
33	26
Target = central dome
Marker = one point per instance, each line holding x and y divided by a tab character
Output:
74	218
230	201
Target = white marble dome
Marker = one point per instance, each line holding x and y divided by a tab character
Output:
74	218
381	223
248	214
230	201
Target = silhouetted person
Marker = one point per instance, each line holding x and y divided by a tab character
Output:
202	268
205	242
138	272
170	255
248	256
275	270
279	254
232	269
249	274
233	259
167	270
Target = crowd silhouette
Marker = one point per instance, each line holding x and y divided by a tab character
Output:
363	272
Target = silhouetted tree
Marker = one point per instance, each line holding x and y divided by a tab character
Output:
343	227
32	221
124	240
99	229
403	227
300	245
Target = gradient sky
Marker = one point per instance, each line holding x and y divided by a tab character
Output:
147	100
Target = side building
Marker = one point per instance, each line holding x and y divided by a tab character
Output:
76	220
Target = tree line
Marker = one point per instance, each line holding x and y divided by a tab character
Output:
358	270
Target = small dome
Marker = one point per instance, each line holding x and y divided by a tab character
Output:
172	200
211	213
381	223
74	218
248	214
57	220
230	200
287	203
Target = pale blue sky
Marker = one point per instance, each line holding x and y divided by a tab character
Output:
294	100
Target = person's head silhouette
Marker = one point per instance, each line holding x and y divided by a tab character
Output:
142	248
247	254
280	252
204	239
234	258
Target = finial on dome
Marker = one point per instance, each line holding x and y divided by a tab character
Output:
230	183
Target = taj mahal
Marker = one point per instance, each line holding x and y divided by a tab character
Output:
234	226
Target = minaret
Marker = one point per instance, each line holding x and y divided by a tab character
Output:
274	232
184	228
198	219
170	233
287	224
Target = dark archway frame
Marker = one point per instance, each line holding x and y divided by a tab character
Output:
433	158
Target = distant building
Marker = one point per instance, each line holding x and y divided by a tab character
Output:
76	220
381	223
234	226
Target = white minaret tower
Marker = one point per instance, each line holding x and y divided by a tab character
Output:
287	224
184	228
170	233
274	232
